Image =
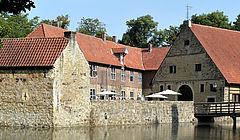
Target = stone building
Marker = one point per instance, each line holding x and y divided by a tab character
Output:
203	64
114	67
44	82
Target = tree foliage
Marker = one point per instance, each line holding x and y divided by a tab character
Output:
90	26
63	21
16	26
236	24
139	31
16	6
215	19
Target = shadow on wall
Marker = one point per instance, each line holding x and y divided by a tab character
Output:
174	121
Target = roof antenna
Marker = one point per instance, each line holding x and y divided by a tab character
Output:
188	8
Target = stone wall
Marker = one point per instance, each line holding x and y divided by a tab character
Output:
122	112
26	98
71	98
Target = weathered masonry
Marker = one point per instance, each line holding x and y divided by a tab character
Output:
203	64
44	82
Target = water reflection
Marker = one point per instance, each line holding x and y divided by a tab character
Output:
177	131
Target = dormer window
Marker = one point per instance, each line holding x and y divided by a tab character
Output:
186	42
120	53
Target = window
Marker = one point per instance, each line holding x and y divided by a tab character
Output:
93	71
212	88
173	69
131	95
113	74
161	88
201	87
139	77
123	95
169	87
131	76
198	67
186	42
210	99
123	75
113	97
93	94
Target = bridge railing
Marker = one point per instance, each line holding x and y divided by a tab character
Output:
217	108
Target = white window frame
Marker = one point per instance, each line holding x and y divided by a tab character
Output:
131	75
139	96
93	70
93	95
123	75
139	77
114	95
113	73
123	96
131	97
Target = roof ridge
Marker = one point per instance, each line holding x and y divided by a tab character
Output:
216	28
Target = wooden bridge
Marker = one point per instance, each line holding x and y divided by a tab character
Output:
217	109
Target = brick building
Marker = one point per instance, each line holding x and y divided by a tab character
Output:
114	67
203	64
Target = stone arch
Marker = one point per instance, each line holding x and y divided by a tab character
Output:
187	93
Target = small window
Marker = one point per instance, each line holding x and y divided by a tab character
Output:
173	69
210	99
113	74
131	95
131	76
123	95
169	87
186	42
201	87
123	75
93	71
93	94
198	67
161	88
112	97
139	77
212	88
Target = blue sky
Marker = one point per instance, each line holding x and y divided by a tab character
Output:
115	13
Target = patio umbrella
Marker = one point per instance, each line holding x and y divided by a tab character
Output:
157	96
169	92
107	93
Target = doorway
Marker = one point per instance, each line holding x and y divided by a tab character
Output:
187	94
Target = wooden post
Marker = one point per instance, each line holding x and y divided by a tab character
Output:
234	123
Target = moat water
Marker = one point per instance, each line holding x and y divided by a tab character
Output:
181	131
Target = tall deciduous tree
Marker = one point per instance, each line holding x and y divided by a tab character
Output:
215	19
90	26
16	26
236	24
139	31
16	6
63	21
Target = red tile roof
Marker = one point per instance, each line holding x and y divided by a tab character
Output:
31	52
223	46
118	50
152	60
96	50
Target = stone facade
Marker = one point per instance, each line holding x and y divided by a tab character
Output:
100	82
26	98
122	112
185	57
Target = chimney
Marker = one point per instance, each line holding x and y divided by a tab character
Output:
187	23
149	47
104	36
70	35
114	39
56	23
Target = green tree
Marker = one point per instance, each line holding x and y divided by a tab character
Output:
236	24
63	21
90	26
16	6
16	26
139	31
215	19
